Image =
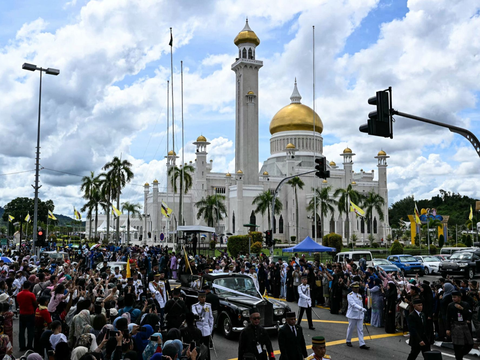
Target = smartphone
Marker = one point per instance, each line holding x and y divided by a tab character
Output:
192	345
107	333
153	338
142	329
50	353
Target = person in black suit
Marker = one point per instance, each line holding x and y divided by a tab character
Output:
291	340
417	325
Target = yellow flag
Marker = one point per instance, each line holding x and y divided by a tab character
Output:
417	216
356	209
166	211
116	211
129	274
470	217
27	218
78	216
51	216
11	218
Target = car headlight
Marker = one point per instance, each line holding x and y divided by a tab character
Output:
246	313
278	312
406	265
463	264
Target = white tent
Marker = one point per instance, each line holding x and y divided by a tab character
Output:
196	228
124	228
103	228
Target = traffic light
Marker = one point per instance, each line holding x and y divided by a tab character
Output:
268	238
380	121
321	168
41	238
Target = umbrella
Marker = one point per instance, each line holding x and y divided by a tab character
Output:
6	259
94	246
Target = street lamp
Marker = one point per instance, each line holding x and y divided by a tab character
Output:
49	71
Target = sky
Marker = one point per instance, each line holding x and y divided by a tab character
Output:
110	98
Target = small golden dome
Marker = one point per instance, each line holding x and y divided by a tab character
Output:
171	152
347	151
201	138
250	93
228	174
290	146
146	185
354	182
211	160
239	172
247	36
190	161
265	173
324	181
382	153
332	163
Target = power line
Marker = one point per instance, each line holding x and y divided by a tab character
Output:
18	172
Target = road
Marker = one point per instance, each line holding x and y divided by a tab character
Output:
333	328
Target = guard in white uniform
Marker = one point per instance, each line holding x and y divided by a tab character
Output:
253	275
157	288
355	315
205	318
305	303
319	349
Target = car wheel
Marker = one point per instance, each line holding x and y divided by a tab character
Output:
443	274
471	273
426	271
227	327
422	273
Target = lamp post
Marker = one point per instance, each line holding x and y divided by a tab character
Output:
49	71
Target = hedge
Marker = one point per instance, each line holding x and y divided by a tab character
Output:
396	248
333	240
238	244
256	247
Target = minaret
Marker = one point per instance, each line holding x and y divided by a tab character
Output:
383	190
246	105
146	190
155	214
201	167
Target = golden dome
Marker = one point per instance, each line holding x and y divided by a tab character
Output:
295	117
290	146
228	175
201	138
347	151
247	36
146	185
265	173
239	172
250	93
324	181
332	163
155	181
354	182
382	153
171	152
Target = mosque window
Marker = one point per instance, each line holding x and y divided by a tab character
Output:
239	53
233	222
280	225
332	225
362	226
369	227
375	225
253	54
253	218
250	54
274	224
244	53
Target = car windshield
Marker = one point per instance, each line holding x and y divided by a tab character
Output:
461	256
241	284
430	259
408	259
382	262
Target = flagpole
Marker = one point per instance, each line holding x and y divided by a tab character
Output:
173	107
314	141
183	154
168	146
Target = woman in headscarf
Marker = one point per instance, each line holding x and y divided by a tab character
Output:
289	283
78	352
34	356
428	308
6	348
142	340
79	324
445	299
390	308
377	303
154	346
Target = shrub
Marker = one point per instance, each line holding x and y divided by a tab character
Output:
256	247
441	241
468	241
417	240
433	249
333	240
257	236
237	244
293	239
459	245
213	243
397	248
375	245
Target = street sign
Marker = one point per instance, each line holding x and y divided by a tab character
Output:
162	237
4	242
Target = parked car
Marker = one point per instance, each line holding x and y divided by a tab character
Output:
431	264
237	294
407	264
355	256
55	255
464	263
386	265
122	265
442	257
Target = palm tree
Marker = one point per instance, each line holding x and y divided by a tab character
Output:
120	174
133	209
344	195
91	192
432	224
321	197
264	203
373	201
212	209
175	173
296	182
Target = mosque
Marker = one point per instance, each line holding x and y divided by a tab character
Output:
296	139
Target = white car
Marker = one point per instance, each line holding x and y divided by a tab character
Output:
430	263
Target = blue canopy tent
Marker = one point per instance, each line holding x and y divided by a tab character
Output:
308	245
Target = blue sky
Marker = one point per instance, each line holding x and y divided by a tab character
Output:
110	98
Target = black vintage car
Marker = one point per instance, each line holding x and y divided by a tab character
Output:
466	263
237	294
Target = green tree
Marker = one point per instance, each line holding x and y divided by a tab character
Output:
91	192
120	174
441	241
175	176
295	183
344	195
212	209
396	248
263	201
321	198
433	224
106	196
373	202
134	210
